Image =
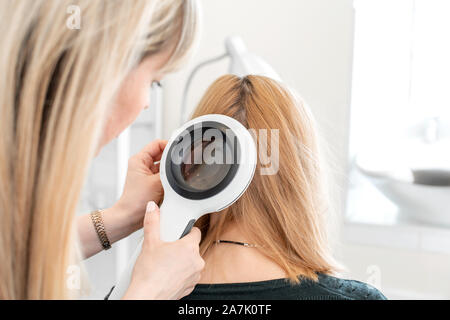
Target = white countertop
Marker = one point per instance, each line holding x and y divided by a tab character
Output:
371	219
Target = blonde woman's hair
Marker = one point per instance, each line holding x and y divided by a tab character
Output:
285	213
56	86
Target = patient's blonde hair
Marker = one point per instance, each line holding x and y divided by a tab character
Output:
286	213
55	88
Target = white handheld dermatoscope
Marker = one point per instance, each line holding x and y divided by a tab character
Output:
207	165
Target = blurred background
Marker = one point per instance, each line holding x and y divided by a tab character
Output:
376	75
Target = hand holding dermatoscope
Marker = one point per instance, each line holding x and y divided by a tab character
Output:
206	166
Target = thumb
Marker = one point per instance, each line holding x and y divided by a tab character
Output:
151	224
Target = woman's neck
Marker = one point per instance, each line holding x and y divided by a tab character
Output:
231	263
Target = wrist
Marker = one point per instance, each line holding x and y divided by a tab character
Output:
134	213
121	218
134	293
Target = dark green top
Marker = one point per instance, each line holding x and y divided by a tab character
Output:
326	288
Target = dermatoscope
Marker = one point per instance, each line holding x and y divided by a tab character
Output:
206	166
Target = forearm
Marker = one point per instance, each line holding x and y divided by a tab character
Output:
118	224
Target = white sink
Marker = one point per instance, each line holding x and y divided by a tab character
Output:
414	176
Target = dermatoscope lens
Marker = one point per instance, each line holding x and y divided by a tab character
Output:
204	176
208	162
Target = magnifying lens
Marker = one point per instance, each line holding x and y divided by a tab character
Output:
206	166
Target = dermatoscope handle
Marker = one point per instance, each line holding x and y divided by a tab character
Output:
175	224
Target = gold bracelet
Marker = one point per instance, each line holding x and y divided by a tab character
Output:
97	220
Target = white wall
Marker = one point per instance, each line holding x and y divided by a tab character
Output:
309	43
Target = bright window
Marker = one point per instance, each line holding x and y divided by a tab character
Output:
400	94
401	70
